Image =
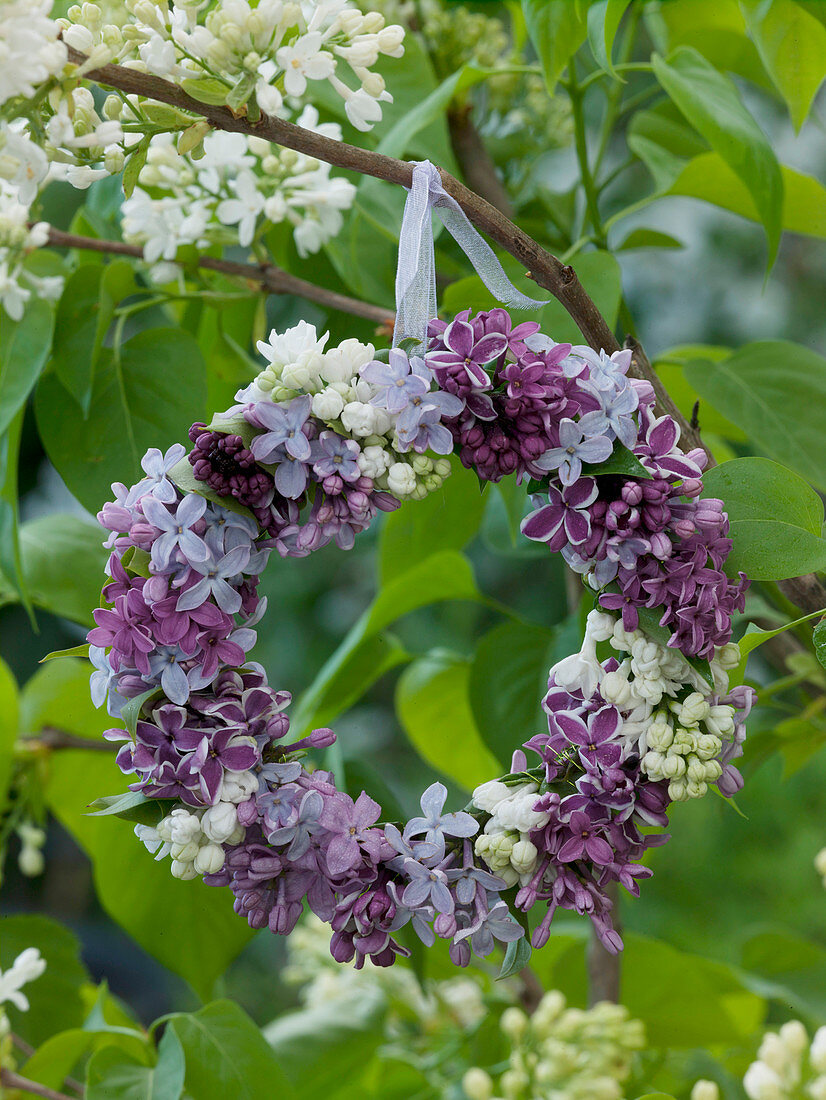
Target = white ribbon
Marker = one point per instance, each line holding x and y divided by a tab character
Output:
416	271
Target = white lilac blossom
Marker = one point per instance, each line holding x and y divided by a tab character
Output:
30	50
788	1065
320	442
266	55
237	187
27	967
562	1052
18	239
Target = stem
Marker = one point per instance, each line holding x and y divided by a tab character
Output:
12	1080
52	738
581	143
269	277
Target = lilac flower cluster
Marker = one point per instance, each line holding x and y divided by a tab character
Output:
322	441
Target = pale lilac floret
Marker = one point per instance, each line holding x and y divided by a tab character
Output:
176	530
436	825
399	380
103	677
283	427
613	416
419	425
462	349
157	467
428	885
575	447
215	576
332	455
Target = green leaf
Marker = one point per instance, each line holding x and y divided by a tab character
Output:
508	678
117	282
62	561
56	1059
55	1000
775	518
712	104
75	332
621	462
131	711
445	520
206	89
181	474
792	46
714	1006
517	957
136	405
134	165
133	889
755	637
227	1056
320	1047
24	349
776	392
238	95
433	706
114	1073
604	18
81	650
11	562
819	639
648	238
9	727
446	575
557	30
134	806
709	178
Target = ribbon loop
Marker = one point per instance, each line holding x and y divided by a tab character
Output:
416	270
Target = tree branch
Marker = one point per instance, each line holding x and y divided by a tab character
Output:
271	278
545	269
11	1080
52	738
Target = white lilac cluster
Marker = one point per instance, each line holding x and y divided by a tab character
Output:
436	1006
251	56
505	844
561	1052
390	410
19	238
195	838
30	50
788	1067
236	188
671	716
27	967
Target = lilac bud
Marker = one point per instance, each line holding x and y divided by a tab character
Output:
632	492
445	926
661	545
459	953
341	947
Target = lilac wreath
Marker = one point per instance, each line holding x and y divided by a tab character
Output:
320	443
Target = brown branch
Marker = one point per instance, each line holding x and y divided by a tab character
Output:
474	159
545	269
271	278
50	737
11	1080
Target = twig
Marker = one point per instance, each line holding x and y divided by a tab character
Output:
22	1045
11	1080
271	278
50	737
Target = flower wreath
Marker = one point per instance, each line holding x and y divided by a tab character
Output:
318	444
